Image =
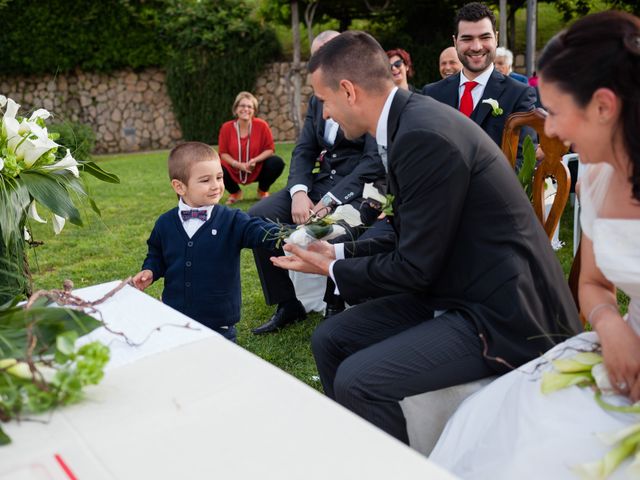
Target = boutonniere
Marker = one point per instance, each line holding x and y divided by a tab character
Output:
496	111
377	199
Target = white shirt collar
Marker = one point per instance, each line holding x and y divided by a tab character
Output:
381	129
481	79
183	206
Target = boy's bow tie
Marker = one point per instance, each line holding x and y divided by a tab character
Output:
187	214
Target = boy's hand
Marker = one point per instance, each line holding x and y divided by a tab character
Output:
143	279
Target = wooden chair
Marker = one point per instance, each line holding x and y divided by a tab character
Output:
551	166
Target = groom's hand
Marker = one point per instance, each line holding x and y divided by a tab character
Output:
302	260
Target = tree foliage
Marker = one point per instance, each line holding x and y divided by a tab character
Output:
67	34
217	50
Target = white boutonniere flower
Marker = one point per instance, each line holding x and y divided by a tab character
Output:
496	111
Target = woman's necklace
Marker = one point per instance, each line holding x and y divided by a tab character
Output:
243	175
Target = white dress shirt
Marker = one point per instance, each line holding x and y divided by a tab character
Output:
477	92
191	225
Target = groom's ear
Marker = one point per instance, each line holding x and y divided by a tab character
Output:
348	90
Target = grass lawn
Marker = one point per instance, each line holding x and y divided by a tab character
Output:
113	247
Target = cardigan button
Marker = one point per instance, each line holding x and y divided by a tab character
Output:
189	244
188	264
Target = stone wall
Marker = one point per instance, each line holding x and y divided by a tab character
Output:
131	111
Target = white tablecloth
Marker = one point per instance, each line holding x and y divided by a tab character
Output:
190	404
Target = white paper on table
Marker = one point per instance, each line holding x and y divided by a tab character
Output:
142	319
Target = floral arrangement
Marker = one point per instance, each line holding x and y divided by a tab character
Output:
41	367
35	171
496	111
587	369
322	226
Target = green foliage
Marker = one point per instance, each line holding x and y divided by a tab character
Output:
65	34
217	50
525	175
78	137
40	366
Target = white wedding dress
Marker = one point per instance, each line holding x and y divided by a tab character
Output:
510	430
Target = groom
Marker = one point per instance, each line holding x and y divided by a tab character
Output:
468	286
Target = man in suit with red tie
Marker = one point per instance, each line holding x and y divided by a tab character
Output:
475	40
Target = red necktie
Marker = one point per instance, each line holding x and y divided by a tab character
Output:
466	104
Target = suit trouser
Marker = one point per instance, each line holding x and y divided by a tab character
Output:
371	356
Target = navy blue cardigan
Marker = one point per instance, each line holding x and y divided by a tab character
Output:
202	273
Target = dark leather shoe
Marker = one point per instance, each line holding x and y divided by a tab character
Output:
281	318
331	310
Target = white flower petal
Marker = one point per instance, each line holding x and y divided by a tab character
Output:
31	150
12	109
58	224
3	101
347	213
33	213
493	102
611	438
40	113
601	376
27	236
372	193
1	163
67	163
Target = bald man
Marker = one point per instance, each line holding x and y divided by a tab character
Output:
449	62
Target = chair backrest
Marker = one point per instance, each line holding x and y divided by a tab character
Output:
551	166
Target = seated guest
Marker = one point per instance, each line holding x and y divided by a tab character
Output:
510	429
467	285
449	63
247	150
475	41
196	246
504	64
401	68
327	170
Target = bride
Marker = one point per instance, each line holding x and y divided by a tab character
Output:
590	85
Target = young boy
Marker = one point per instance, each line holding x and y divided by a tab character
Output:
196	246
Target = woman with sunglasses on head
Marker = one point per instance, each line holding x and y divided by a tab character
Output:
247	150
401	68
589	80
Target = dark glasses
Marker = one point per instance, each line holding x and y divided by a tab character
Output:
396	64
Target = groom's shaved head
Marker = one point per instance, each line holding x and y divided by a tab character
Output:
354	56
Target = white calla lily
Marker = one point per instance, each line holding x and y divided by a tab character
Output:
347	213
32	149
1	163
33	213
601	376
67	163
492	102
58	224
3	101
370	192
40	113
12	109
611	438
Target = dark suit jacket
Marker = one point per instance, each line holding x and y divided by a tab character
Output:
344	167
513	96
466	236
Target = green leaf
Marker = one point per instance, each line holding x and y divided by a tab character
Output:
525	175
50	193
93	169
4	438
65	342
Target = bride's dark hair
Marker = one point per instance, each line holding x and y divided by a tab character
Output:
601	50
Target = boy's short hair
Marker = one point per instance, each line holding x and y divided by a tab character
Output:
245	95
182	157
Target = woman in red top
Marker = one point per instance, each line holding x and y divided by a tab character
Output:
247	150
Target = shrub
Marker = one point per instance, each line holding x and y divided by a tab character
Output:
77	137
217	50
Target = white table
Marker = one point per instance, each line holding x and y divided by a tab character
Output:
189	404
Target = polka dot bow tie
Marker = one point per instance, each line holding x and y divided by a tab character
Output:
199	214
